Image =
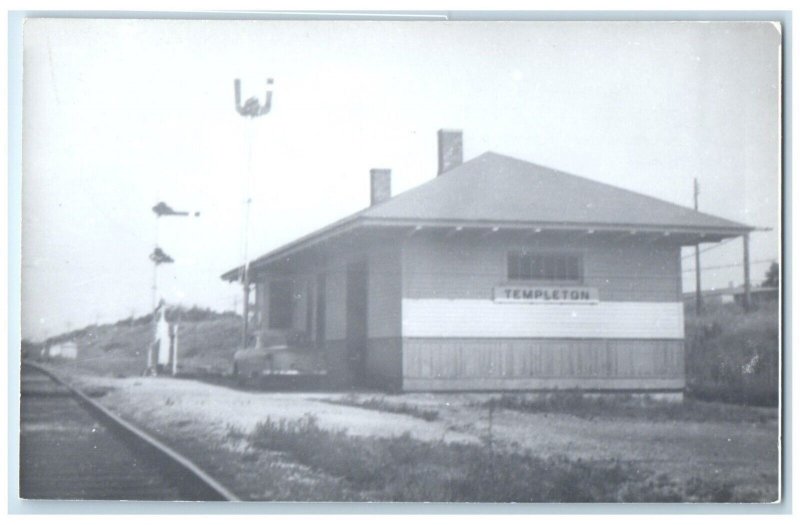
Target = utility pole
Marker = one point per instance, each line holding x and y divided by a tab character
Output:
698	293
250	109
746	243
245	311
246	275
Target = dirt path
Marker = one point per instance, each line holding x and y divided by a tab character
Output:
201	417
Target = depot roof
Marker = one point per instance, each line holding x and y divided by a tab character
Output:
499	191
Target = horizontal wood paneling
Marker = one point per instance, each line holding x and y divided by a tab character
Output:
533	384
470	267
508	363
485	318
634	271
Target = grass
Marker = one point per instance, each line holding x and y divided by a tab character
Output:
732	356
621	406
382	405
402	468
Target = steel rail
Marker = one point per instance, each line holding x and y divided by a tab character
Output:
179	467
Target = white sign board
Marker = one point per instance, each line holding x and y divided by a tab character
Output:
510	293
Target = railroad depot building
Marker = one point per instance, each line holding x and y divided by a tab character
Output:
498	274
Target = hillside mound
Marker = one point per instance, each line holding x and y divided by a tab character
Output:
206	343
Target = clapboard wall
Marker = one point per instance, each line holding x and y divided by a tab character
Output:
456	337
433	325
467	267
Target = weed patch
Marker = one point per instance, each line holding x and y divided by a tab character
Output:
733	356
579	405
402	468
98	391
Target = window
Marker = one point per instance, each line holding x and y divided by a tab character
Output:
527	266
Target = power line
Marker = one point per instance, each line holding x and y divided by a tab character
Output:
734	265
708	248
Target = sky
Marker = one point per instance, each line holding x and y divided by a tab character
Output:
119	115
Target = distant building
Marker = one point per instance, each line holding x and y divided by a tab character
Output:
498	274
63	350
735	295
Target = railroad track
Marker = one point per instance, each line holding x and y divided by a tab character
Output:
71	447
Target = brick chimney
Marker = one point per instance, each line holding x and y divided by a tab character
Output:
380	186
451	149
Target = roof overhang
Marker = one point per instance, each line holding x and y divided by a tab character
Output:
723	232
682	234
322	235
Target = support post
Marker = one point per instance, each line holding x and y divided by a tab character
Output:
698	289
175	350
159	257
245	313
152	347
746	244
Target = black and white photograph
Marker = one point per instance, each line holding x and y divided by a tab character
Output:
401	261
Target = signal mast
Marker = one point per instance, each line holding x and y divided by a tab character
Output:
251	109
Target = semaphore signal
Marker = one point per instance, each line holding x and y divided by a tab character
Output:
159	257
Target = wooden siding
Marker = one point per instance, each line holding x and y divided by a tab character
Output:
338	372
335	311
385	289
535	384
452	364
485	318
635	272
469	267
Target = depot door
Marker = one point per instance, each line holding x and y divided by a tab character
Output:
357	321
